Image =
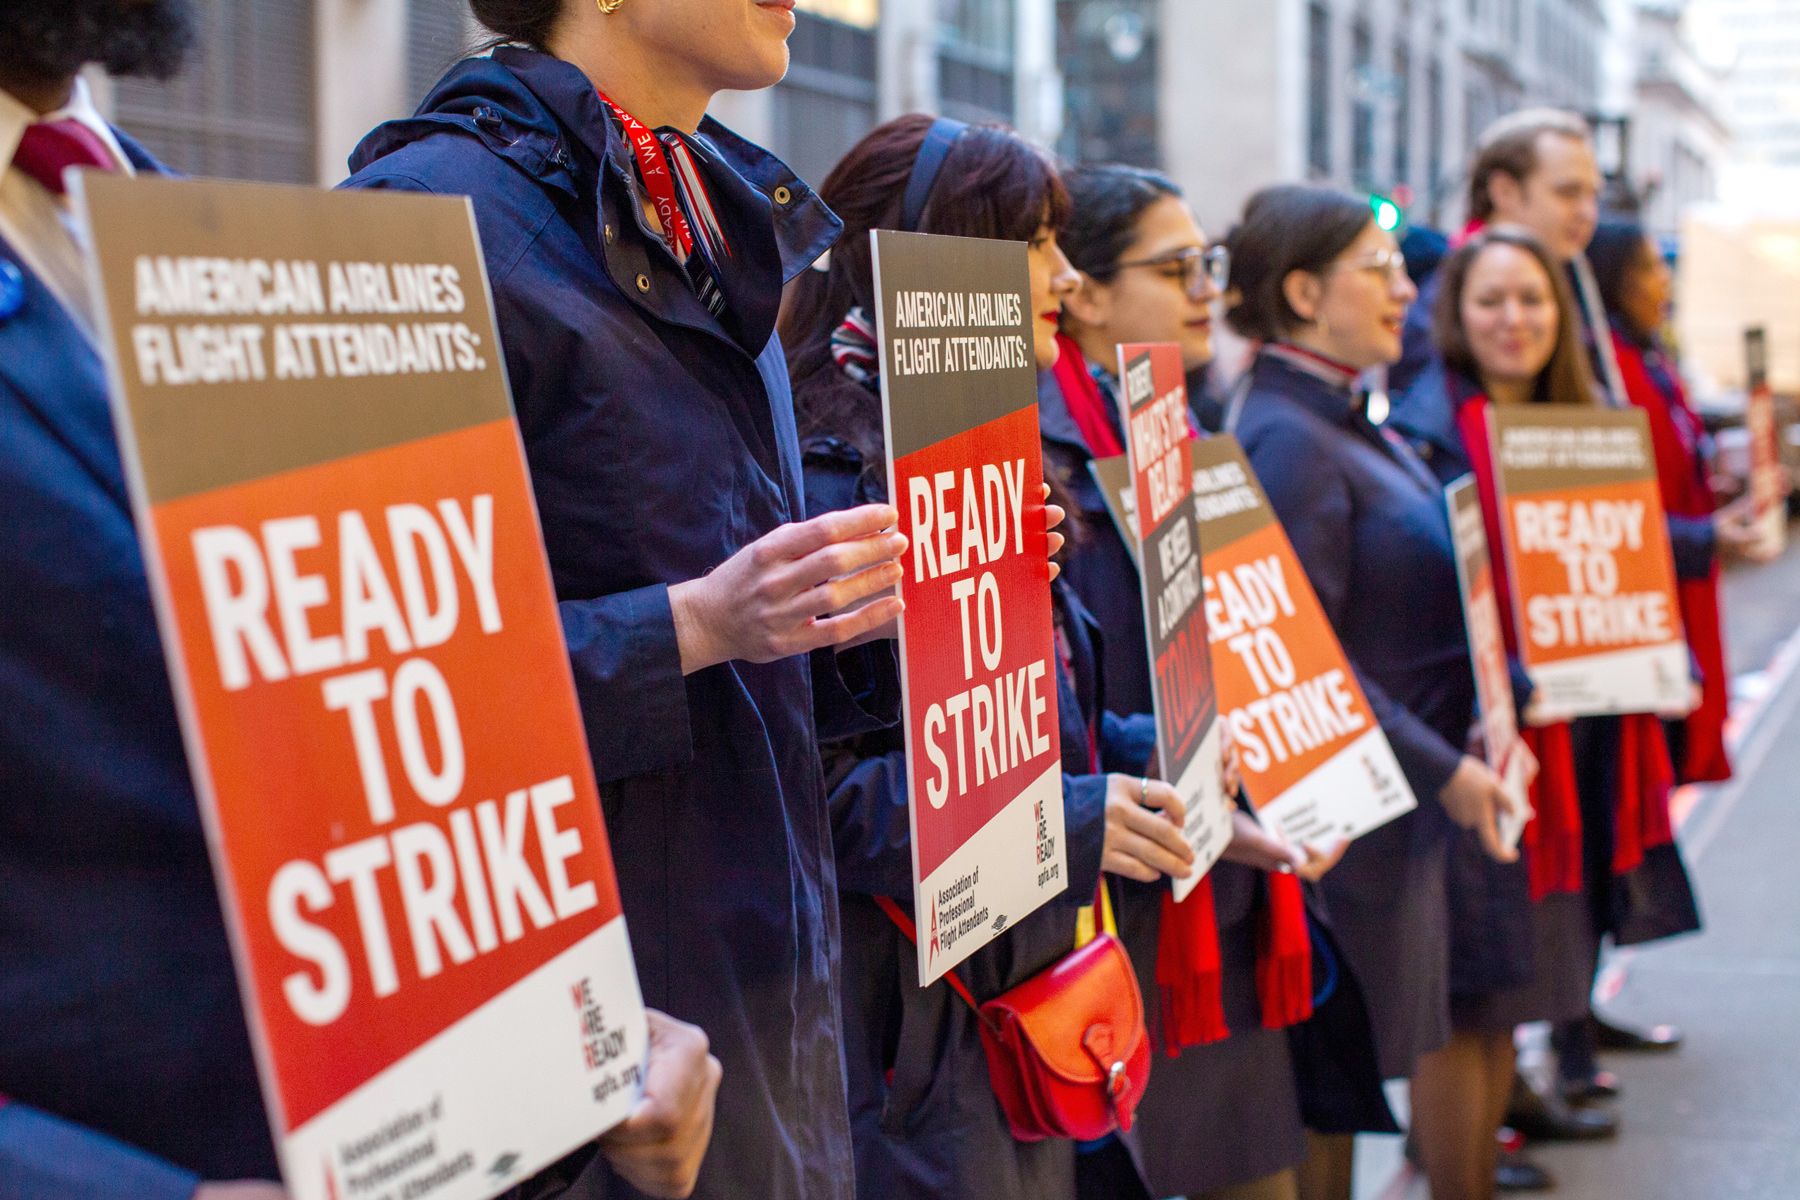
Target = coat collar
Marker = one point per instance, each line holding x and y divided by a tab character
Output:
1055	423
1302	379
542	115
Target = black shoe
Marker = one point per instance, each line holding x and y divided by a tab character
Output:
1613	1035
1601	1085
1515	1174
1552	1119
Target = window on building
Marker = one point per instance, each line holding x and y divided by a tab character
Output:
1362	110
438	32
828	100
975	59
1108	55
1402	97
1318	89
243	107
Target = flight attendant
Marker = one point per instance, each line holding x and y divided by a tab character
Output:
924	1117
1221	1117
1635	285
637	252
1325	291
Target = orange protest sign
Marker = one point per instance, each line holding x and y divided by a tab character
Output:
1587	546
1316	765
380	717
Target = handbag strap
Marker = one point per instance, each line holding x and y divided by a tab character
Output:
898	916
1084	932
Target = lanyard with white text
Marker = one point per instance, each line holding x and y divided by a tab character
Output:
670	184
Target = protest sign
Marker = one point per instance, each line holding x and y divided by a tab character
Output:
965	469
380	719
1768	489
1587	546
1113	477
1316	765
1153	396
1505	752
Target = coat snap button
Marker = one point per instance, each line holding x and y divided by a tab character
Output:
643	282
783	196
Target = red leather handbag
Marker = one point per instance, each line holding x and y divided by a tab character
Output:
1068	1051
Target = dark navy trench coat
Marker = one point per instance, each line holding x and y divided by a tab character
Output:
122	1042
1368	523
661	441
1221	1114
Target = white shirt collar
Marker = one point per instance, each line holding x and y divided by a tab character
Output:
15	115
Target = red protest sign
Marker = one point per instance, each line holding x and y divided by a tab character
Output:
1316	765
379	712
1153	395
984	768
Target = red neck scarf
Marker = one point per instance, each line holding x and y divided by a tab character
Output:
1552	841
1189	973
1086	403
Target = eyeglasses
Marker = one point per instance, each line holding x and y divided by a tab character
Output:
1390	263
1204	269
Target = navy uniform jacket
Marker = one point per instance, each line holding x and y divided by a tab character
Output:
924	1117
122	1042
1368	523
1221	1114
661	441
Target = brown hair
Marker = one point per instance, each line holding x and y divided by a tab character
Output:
1567	377
993	184
1286	228
1510	147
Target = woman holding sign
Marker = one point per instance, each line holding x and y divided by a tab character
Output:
1325	290
636	252
925	1120
1525	941
1224	1113
1636	287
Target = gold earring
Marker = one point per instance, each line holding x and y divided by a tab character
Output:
608	7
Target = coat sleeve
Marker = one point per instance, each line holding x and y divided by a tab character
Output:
628	680
46	1158
870	834
1314	505
1127	743
1084	834
1694	546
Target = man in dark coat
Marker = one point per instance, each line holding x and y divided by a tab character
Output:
125	1064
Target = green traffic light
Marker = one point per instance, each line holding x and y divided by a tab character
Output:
1387	213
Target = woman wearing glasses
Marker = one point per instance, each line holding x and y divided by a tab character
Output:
1220	1119
1326	292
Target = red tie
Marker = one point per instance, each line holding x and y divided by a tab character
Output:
48	147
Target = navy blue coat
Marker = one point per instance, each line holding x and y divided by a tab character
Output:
1369	525
924	1119
122	1041
661	441
1221	1114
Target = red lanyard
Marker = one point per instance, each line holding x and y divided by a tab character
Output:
653	167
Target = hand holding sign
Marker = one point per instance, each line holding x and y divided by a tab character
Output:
658	1148
1144	819
1476	798
776	596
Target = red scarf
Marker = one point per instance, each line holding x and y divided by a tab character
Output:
1189	973
1552	841
1675	434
